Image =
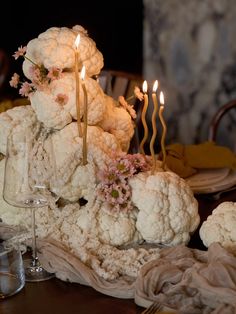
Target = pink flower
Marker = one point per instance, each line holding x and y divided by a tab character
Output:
26	89
138	94
127	106
114	189
20	52
36	75
54	73
61	99
14	80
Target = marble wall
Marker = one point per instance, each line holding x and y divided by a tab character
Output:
190	46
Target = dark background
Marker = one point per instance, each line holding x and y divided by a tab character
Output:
115	26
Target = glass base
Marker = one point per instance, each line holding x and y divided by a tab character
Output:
35	272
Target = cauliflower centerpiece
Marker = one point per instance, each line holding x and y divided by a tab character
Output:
106	198
168	211
220	226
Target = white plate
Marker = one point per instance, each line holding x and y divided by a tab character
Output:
212	180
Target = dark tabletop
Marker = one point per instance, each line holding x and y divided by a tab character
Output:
57	297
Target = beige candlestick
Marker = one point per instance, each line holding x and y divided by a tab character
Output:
143	118
154	127
164	129
85	117
77	84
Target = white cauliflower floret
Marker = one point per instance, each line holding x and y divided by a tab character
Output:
109	227
220	226
56	48
118	122
17	117
56	115
100	147
82	184
168	211
115	228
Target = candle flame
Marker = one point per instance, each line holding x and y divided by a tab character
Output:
82	75
155	86
162	98
77	41
145	87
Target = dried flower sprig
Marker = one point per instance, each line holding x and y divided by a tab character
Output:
114	189
40	76
130	108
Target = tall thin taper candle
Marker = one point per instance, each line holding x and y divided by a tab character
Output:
143	118
77	84
164	129
85	117
154	127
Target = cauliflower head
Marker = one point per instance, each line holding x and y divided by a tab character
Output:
116	228
220	226
118	122
56	114
56	48
168	211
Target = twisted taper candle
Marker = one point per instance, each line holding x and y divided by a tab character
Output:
164	130
154	128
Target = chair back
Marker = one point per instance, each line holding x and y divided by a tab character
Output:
217	119
118	83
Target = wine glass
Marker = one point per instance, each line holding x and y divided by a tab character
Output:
28	180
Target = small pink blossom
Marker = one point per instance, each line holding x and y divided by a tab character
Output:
26	89
37	76
127	106
138	94
20	52
114	189
62	99
54	73
14	80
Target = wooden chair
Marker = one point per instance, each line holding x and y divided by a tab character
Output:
215	121
118	83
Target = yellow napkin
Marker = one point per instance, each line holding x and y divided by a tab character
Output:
186	159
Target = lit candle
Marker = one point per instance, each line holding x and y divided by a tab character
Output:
85	117
154	128
77	83
143	118
164	129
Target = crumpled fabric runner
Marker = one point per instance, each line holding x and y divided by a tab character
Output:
66	266
186	280
185	160
190	280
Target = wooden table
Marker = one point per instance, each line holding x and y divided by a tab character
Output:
58	297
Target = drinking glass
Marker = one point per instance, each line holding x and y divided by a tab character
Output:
12	277
28	182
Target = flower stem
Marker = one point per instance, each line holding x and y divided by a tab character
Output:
31	61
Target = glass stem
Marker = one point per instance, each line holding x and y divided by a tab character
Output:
34	248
